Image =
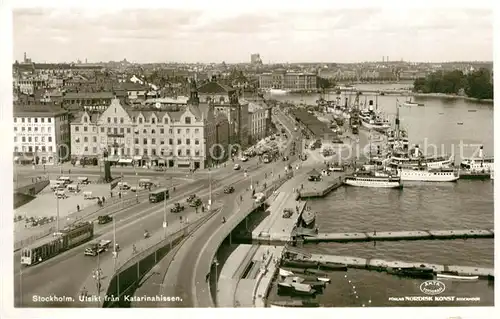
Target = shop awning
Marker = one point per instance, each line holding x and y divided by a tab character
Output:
125	160
137	158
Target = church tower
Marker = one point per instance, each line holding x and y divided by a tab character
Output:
193	95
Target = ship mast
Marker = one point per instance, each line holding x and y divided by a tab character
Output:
397	121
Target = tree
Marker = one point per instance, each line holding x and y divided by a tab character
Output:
479	85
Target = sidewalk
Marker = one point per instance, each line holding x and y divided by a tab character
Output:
108	266
27	236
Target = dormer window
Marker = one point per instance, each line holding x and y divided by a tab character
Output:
165	120
85	119
145	131
152	120
140	120
187	120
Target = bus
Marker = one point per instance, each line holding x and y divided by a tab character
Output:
158	195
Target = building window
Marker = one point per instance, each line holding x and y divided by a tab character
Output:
165	120
29	138
145	151
153	121
136	151
128	129
85	119
50	138
109	120
85	139
153	141
94	129
109	129
94	149
102	129
153	152
188	152
140	120
50	148
77	129
197	142
85	129
179	142
162	131
94	139
188	141
15	139
197	153
86	148
121	120
179	152
115	130
153	131
115	120
187	120
170	131
136	140
144	141
49	120
162	142
42	139
122	130
178	131
171	141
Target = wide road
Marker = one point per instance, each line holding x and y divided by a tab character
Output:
64	274
183	269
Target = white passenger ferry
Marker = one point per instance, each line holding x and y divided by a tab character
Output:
479	163
362	179
401	158
425	174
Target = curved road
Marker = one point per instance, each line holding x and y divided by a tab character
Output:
64	274
183	273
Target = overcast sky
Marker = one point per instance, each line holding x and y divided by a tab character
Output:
279	35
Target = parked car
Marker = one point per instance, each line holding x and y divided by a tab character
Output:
96	248
177	208
237	167
243	159
228	189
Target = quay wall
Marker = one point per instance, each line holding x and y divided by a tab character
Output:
399	235
382	265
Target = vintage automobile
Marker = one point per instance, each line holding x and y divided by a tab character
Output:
104	219
228	189
191	198
196	202
96	248
177	208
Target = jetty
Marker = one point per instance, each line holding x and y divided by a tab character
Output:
322	187
306	236
384	265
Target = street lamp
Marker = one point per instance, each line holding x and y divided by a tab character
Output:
209	188
216	263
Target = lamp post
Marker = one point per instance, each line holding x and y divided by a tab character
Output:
209	188
57	213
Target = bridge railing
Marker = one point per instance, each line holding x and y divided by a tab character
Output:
129	274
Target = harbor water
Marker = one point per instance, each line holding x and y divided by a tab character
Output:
466	204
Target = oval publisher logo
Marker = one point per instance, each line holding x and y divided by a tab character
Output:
432	287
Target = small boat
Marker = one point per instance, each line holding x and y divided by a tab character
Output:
471	111
369	179
315	284
308	217
295	289
454	276
412	272
300	263
285	273
294	303
302	274
332	266
460	123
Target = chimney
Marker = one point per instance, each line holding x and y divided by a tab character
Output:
417	152
481	154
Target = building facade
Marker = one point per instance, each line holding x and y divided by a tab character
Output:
41	134
145	137
288	81
258	121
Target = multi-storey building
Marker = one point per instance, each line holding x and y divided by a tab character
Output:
89	100
146	137
28	85
41	134
258	121
224	100
288	81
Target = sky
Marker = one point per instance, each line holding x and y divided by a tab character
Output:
279	34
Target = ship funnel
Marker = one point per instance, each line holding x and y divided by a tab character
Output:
370	105
481	154
416	154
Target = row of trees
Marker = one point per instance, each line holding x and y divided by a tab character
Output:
477	84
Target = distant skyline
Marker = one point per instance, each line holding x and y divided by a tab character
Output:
279	35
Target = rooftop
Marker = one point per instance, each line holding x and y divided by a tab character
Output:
214	88
38	110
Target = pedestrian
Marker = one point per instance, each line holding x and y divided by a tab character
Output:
69	172
120	195
111	194
103	200
77	208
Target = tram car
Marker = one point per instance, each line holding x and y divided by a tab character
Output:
50	246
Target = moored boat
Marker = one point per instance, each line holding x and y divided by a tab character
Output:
295	289
294	303
425	174
413	272
370	179
332	266
479	163
308	218
300	263
458	277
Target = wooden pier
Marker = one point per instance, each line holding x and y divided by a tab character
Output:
383	265
395	235
321	188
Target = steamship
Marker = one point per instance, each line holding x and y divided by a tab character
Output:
479	163
425	174
416	158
